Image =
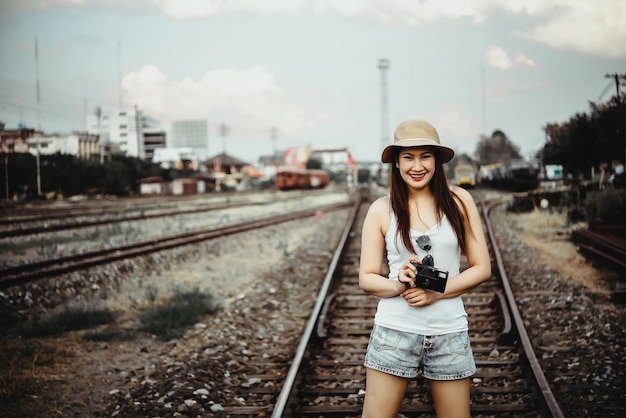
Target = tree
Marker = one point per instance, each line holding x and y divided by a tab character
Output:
69	175
587	140
496	149
314	163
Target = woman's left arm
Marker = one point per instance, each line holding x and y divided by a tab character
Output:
476	250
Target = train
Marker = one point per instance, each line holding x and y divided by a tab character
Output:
518	175
464	175
290	179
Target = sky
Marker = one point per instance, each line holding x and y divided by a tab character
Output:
305	73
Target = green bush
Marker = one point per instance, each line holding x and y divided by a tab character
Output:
608	206
169	319
73	319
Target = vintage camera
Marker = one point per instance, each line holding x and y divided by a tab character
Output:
430	278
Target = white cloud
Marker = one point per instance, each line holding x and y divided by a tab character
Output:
499	58
250	97
592	27
392	12
524	61
595	28
42	4
456	128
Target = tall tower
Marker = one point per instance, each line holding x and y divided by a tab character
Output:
383	65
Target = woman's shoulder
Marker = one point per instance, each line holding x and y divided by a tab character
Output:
464	197
461	193
381	205
380	210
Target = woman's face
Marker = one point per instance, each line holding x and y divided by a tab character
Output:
417	166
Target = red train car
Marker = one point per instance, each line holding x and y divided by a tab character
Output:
289	179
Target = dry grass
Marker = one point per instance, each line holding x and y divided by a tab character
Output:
542	220
24	374
549	233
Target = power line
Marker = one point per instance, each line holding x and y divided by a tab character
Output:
608	86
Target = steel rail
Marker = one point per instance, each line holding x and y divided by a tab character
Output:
22	273
607	247
141	213
544	386
290	378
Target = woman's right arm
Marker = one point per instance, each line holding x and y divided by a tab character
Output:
373	252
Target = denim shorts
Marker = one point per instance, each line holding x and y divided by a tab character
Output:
403	354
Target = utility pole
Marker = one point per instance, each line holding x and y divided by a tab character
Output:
119	74
139	132
383	66
273	136
38	117
6	174
224	133
98	113
616	77
482	73
6	164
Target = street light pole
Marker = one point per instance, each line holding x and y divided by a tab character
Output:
383	65
273	136
6	174
6	164
223	132
38	117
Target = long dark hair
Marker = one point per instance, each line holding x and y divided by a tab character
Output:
446	202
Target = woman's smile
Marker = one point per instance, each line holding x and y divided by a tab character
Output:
417	177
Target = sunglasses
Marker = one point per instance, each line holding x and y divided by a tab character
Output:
423	242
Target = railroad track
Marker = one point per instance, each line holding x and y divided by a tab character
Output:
603	244
62	219
327	379
23	273
94	207
327	374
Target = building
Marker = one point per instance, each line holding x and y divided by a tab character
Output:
228	172
191	134
175	157
338	162
123	127
153	139
16	140
22	141
81	145
269	164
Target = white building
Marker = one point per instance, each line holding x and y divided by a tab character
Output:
83	146
123	127
175	157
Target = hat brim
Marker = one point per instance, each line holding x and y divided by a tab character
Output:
445	153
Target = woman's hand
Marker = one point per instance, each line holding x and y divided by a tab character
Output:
416	296
407	273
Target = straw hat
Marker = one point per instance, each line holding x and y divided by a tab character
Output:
416	133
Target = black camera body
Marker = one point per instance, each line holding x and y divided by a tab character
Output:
430	278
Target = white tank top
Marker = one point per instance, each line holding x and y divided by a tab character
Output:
442	317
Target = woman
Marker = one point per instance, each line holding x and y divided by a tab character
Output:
417	328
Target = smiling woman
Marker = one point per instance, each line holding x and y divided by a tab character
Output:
420	318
